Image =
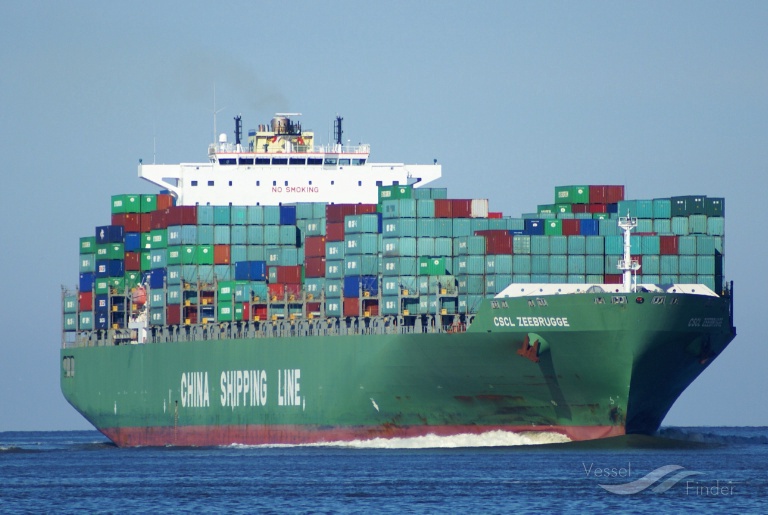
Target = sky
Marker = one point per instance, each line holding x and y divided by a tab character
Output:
512	98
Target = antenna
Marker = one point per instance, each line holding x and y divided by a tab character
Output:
215	112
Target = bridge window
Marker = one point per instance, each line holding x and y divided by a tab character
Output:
358	162
262	160
194	183
210	183
298	161
246	160
279	160
314	161
343	162
331	161
227	161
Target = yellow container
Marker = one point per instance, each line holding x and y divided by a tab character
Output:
443	311
406	312
256	318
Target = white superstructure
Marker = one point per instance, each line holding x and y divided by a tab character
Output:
280	165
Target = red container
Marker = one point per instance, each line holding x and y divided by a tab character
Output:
614	279
221	255
85	301
129	221
190	314
362	209
289	274
443	208
181	215
335	213
293	290
668	245
158	220
173	314
598	208
313	307
334	231
276	290
571	227
579	208
606	194
315	267
145	222
371	306
164	201
494	215
133	261
461	208
496	241
259	310
314	246
351	307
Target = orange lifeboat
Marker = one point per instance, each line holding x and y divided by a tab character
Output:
139	296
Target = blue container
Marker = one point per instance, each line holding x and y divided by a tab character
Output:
102	268
353	284
86	281
534	226
132	241
116	268
110	234
589	228
287	215
157	278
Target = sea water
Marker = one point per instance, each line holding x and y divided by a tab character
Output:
719	470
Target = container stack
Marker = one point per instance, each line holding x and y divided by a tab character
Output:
415	252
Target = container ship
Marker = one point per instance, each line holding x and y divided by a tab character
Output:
285	292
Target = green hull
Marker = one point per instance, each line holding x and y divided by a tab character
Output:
559	363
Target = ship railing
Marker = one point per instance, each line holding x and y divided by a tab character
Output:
231	148
331	326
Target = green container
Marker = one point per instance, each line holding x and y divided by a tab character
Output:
70	304
705	245
256	215
479	224
425	208
438	193
410	265
146	261
714	206
101	286
475	264
607	226
572	195
88	245
115	251
431	266
102	251
668	265
425	246
395	192
686	245
288	235
390	266
204	255
643	209
334	269
705	265
553	227
715	226
687	265
238	215
515	224
174	274
132	279
148	203
126	204
159	238
611	263
407	207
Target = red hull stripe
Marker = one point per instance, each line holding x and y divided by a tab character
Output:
292	434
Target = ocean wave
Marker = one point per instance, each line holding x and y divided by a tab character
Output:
488	439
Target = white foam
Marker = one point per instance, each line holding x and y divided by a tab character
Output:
489	439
